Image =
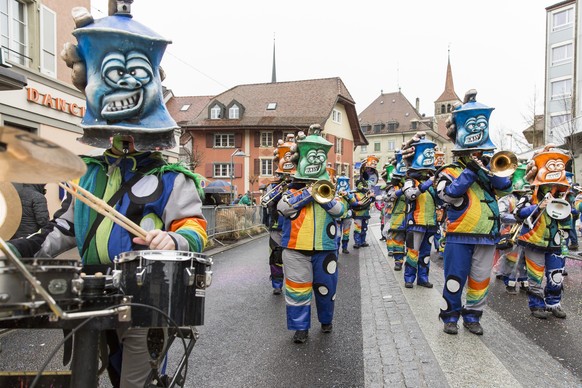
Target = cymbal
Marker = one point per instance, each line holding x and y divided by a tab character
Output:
28	158
10	210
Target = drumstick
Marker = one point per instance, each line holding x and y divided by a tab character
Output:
108	212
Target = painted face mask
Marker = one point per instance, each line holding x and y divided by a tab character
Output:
313	151
400	165
343	184
439	158
472	124
551	168
424	155
124	88
284	154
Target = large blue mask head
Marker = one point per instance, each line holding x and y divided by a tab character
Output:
124	88
472	124
424	155
343	183
401	168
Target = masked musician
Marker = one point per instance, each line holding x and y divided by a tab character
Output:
420	209
472	215
545	230
441	210
511	262
309	237
362	199
345	222
396	201
162	198
285	168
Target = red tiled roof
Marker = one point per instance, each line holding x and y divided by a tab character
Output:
197	104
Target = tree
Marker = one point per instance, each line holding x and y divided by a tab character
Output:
564	131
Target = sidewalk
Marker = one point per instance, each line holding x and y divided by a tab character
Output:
404	345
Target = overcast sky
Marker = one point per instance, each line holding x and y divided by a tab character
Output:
496	47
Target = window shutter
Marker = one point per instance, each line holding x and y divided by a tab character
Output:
342	145
209	140
257	167
276	136
257	138
237	170
238	140
209	170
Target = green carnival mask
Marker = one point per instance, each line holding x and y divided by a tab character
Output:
313	150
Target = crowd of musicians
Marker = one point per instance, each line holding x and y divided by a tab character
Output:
485	213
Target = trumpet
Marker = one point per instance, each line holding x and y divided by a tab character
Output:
274	193
322	191
503	164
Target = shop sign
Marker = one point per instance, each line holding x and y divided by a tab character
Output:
59	104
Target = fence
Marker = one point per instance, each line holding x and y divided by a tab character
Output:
230	222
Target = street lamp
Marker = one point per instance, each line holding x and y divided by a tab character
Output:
238	152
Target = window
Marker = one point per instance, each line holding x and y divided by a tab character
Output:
557	120
392	126
48	41
221	170
339	145
443	109
390	145
272	106
562	53
267	167
413	124
366	128
563	19
377	147
336	116
185	107
364	149
266	139
561	88
378	127
224	140
14	30
234	112
215	112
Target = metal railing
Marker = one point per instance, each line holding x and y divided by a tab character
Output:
230	222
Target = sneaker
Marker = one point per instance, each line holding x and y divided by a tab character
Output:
511	290
524	286
326	327
277	291
451	328
356	246
300	336
345	251
557	312
474	327
425	285
397	266
539	313
365	245
408	285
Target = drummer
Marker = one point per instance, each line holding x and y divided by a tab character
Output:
162	198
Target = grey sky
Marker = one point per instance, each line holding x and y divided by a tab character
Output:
497	47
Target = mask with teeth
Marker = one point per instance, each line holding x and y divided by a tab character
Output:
124	87
313	155
472	124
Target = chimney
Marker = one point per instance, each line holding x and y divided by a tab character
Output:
417	104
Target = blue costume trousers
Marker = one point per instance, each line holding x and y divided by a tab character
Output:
417	257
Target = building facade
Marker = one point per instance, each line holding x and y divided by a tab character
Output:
249	120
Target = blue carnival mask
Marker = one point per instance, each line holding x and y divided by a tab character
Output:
424	155
124	88
472	125
400	165
343	183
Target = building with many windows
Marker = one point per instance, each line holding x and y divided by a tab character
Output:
251	119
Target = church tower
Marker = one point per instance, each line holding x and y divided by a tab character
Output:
444	104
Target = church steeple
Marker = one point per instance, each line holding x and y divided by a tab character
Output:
445	103
449	92
274	72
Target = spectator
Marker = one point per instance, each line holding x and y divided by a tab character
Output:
35	212
246	199
237	199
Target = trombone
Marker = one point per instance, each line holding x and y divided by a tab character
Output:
503	163
274	193
322	191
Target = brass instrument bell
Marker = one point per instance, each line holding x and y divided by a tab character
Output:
322	191
503	164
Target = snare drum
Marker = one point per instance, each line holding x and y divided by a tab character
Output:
59	277
173	281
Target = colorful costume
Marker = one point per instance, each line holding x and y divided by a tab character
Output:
360	204
420	213
344	223
309	240
544	234
396	228
472	217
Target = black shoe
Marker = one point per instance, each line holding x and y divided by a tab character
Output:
524	286
451	328
539	313
326	327
564	273
277	291
300	336
573	247
356	246
365	245
474	327
383	238
499	276
557	312
511	290
397	266
345	251
408	285
425	285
